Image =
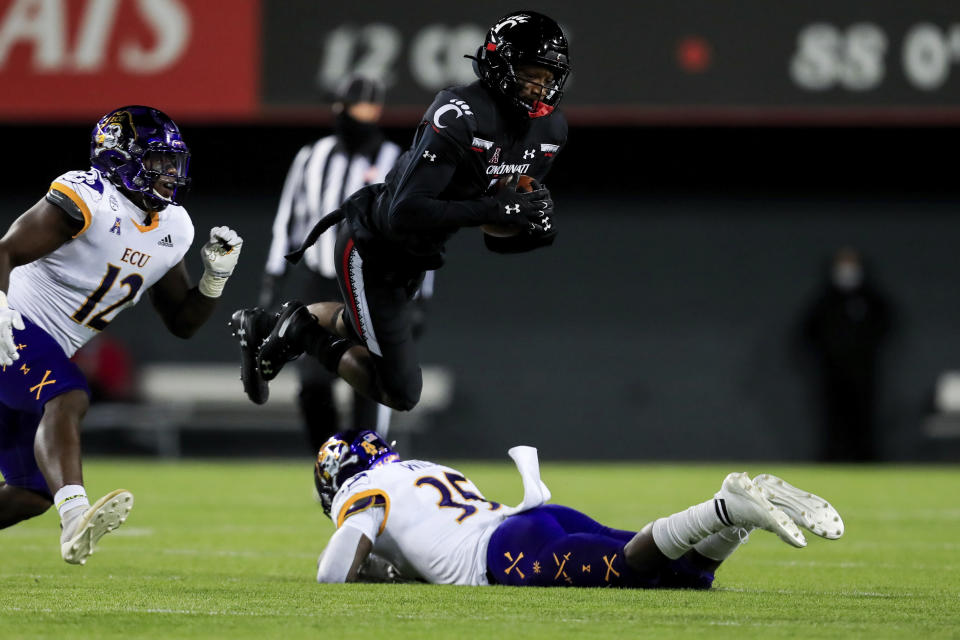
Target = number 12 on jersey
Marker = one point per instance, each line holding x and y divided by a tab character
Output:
446	489
99	322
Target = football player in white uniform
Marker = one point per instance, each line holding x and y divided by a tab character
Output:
419	520
86	251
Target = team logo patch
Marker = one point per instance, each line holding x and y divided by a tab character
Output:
479	144
116	227
459	107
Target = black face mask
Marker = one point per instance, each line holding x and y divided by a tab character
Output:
356	136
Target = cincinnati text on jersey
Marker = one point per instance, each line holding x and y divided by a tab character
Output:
498	169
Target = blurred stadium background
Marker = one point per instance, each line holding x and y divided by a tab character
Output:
718	154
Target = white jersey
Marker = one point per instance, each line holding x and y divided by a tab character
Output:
77	290
428	520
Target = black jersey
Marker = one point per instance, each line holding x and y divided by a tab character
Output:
463	144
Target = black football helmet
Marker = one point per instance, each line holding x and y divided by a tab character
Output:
516	40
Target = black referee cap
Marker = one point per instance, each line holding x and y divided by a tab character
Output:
356	88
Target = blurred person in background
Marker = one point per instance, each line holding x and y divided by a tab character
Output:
109	369
505	124
845	329
86	251
323	174
418	520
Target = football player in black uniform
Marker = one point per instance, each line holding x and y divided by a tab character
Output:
505	124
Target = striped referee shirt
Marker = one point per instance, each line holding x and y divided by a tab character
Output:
321	177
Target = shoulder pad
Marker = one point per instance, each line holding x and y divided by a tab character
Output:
76	193
452	117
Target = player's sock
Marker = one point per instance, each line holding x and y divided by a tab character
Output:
676	534
719	546
71	501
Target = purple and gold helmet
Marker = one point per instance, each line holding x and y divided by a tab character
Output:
136	148
341	458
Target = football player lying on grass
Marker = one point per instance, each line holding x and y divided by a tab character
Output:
418	520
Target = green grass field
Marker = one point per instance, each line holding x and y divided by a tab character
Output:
218	550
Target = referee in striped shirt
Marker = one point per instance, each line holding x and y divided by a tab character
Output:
322	176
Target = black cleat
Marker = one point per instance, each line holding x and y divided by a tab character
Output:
287	340
243	324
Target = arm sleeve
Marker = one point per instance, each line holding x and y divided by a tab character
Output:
337	558
416	204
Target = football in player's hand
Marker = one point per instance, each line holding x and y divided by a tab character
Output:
524	183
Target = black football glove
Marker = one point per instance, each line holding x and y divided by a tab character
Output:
529	210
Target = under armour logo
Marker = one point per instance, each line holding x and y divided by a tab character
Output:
512	208
529	153
546	224
429	156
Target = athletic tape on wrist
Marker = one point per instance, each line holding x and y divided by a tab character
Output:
212	285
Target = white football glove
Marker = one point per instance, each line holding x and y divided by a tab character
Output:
10	319
219	257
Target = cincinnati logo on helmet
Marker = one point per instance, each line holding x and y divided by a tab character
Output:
459	107
510	21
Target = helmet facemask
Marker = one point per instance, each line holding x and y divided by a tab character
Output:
165	174
535	96
518	50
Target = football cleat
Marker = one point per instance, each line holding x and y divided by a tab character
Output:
106	514
285	341
243	325
741	503
806	509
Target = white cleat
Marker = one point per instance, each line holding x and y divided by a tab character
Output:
741	502
105	515
806	509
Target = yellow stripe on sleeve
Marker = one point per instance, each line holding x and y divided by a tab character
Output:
77	200
372	498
